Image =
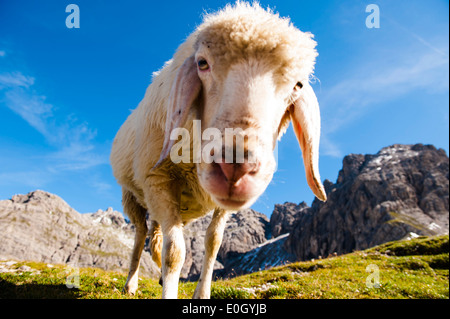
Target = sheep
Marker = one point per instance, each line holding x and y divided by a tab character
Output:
243	68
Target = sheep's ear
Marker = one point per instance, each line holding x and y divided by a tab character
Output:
185	89
305	116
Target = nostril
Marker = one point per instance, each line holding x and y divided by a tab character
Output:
235	171
227	170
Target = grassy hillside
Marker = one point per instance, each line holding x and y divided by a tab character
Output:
417	268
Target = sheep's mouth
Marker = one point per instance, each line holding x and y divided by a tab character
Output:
231	204
229	193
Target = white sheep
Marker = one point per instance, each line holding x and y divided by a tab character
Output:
243	68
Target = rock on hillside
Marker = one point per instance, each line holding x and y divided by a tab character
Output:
244	231
266	255
283	217
42	227
402	191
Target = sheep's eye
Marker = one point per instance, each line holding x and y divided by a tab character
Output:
299	85
203	65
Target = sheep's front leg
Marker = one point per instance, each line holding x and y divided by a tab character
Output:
213	240
173	255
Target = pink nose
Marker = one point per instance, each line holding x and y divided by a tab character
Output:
235	171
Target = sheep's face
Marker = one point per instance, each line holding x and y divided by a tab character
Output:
246	104
249	80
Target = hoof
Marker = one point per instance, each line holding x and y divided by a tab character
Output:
129	289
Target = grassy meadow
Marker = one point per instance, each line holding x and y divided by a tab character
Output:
413	269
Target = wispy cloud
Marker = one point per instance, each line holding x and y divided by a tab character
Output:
73	140
383	78
32	108
425	42
380	82
329	147
15	79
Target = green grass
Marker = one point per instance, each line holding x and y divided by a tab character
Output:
417	268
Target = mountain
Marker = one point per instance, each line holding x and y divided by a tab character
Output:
400	192
244	231
42	227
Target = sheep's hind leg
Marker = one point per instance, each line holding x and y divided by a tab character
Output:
213	240
137	216
156	241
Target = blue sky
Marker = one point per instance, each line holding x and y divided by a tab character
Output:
65	92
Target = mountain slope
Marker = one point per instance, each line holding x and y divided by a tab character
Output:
402	191
416	268
41	226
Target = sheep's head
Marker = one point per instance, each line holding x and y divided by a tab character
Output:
249	74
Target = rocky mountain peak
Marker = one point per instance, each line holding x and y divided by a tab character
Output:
39	199
284	216
392	157
110	217
40	226
401	191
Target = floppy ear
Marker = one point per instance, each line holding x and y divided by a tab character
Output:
305	116
185	89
